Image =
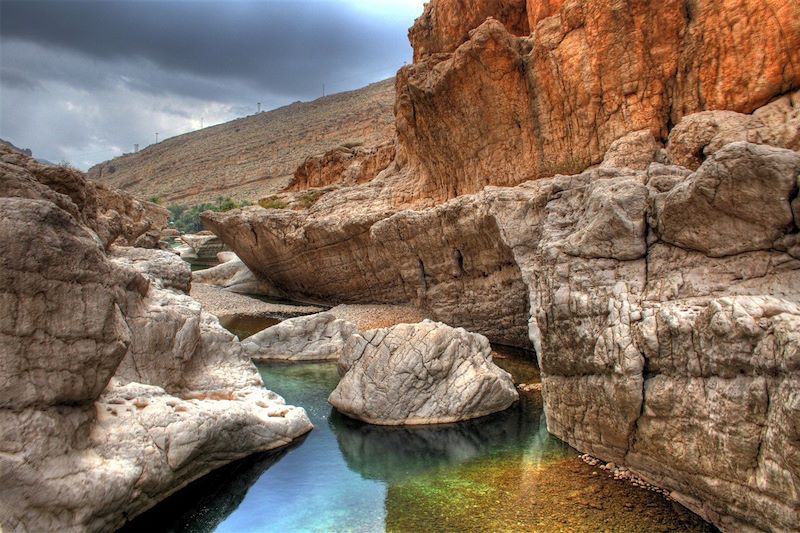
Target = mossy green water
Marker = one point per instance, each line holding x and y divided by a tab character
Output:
502	472
246	326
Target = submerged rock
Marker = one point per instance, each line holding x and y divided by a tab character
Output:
426	373
318	337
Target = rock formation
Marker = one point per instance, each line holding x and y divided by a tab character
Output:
318	337
618	271
117	388
445	24
342	165
498	108
655	272
112	216
426	373
232	274
201	248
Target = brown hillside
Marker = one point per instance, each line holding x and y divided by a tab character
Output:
253	156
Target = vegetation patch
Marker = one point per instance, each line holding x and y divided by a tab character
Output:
351	145
309	198
186	219
272	202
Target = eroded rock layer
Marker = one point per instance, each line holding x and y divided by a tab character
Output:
498	109
116	388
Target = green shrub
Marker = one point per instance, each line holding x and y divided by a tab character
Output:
309	198
272	202
352	145
186	219
155	200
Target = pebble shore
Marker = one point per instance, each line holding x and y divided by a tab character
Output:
623	474
226	304
372	316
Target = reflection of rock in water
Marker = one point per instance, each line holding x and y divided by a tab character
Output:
202	505
393	453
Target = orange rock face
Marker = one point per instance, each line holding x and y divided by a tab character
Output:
540	9
342	165
445	24
500	109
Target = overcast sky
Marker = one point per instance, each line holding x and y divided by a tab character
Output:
82	81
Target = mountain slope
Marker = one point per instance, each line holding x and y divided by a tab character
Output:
253	156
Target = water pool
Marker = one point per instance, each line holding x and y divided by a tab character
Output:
503	472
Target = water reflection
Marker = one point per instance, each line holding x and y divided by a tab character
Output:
246	326
202	505
393	454
502	472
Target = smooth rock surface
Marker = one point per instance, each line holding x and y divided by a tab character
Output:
116	388
233	275
426	373
201	248
318	337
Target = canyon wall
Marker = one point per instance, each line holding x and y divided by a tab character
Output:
116	388
662	303
501	108
656	273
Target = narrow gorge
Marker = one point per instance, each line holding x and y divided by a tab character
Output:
659	286
578	245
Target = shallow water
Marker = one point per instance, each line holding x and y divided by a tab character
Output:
245	326
503	472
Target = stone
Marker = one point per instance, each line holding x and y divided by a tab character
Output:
318	337
159	266
233	275
201	248
116	388
745	188
663	293
698	136
113	216
618	306
342	165
450	262
635	150
445	24
426	373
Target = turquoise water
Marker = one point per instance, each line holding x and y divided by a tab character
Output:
311	488
503	472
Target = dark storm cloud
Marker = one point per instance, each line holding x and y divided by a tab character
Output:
284	47
17	80
85	81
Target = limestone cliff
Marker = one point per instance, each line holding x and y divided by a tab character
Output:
116	388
